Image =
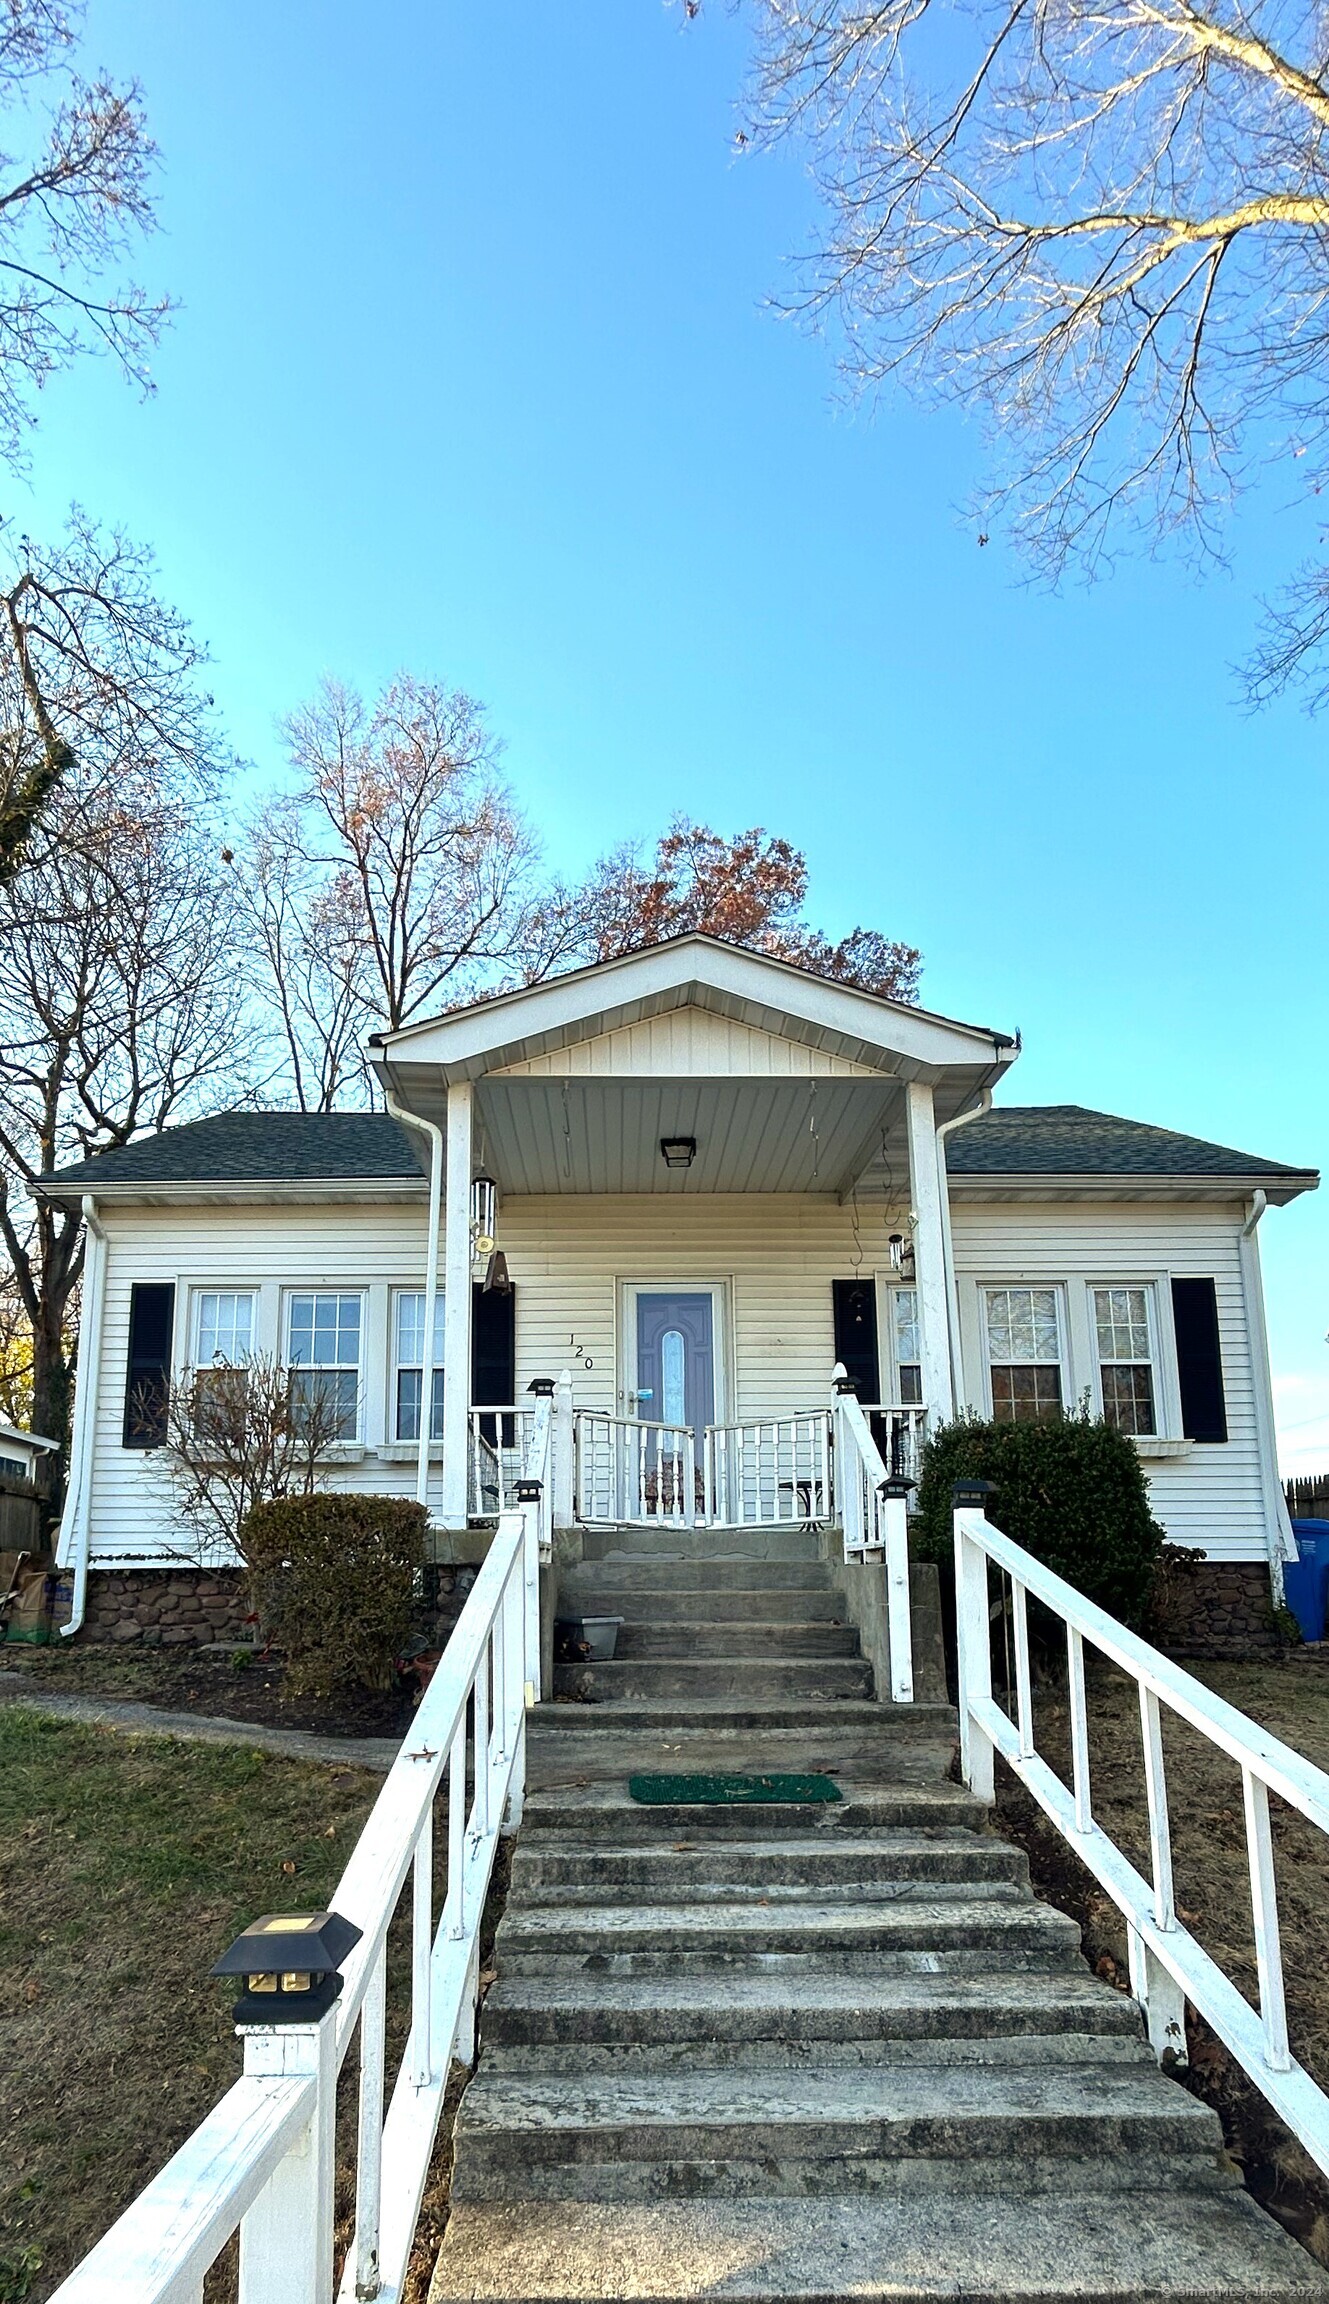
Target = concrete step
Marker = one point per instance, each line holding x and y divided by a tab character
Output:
606	1813
756	1544
691	1607
676	1639
692	2012
593	1749
807	1717
666	1572
994	2242
836	1867
745	1680
761	2060
510	2127
664	1939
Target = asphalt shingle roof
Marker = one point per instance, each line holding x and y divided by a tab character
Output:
361	1147
1070	1140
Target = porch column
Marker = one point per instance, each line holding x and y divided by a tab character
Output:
925	1190
457	1305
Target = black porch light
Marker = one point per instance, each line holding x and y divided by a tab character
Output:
678	1151
529	1491
896	1488
972	1495
289	1962
542	1387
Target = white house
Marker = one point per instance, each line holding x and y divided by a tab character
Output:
710	1177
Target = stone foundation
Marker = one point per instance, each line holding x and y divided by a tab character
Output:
1218	1608
165	1607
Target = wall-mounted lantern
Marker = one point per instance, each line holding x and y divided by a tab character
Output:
289	1962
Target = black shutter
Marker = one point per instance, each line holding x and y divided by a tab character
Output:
148	1374
1199	1360
493	1347
855	1308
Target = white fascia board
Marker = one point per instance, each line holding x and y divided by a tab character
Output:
1235	1189
258	1194
765	993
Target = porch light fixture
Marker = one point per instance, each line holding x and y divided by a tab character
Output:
896	1489
678	1151
289	1962
484	1215
972	1495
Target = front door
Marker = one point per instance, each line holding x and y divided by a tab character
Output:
675	1358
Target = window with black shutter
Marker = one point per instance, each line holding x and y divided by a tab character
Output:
148	1374
1199	1360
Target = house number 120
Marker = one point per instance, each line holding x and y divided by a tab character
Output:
579	1352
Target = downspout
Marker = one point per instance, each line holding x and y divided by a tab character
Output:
72	1550
1282	1544
948	1128
431	1129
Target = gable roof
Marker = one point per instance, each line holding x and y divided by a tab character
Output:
1070	1141
366	1150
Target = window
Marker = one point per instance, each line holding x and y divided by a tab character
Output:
224	1328
410	1359
905	1347
324	1356
1125	1358
1024	1354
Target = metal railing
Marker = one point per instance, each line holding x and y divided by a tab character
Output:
629	1472
771	1471
1168	1966
874	1508
262	2162
498	1442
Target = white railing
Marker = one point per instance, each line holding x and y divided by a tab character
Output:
769	1472
900	1430
629	1472
874	1513
498	1441
263	2160
1167	1965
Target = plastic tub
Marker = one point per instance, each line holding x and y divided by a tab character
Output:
599	1634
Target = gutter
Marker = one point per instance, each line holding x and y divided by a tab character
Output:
948	1128
72	1549
1282	1544
432	1130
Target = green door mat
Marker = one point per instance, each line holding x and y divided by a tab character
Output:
721	1791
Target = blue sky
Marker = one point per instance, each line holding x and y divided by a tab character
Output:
476	374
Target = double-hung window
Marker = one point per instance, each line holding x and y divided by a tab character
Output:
409	1354
223	1327
1123	1336
324	1329
1025	1357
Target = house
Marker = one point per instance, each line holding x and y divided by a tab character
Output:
680	1186
21	1452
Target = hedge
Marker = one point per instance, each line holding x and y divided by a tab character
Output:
1072	1492
332	1579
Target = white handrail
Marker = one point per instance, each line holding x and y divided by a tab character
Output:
262	2162
632	1472
1167	1964
768	1471
875	1520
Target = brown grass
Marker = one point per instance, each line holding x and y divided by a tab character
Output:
1291	1698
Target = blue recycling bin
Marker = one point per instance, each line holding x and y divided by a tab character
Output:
1306	1579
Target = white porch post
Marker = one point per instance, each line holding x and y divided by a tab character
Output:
457	1306
925	1190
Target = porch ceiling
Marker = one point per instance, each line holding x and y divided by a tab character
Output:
757	1135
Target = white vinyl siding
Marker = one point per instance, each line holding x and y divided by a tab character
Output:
1211	1497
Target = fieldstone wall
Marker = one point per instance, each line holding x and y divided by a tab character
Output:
1219	1608
165	1607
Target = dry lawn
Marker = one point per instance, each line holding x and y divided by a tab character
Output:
1290	1698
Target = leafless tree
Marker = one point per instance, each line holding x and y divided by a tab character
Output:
118	1003
240	1436
75	194
1104	223
395	879
96	673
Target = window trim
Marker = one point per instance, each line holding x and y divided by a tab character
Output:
1159	1371
396	1366
290	1291
889	1286
1058	1290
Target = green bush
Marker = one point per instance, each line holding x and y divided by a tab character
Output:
1071	1492
331	1579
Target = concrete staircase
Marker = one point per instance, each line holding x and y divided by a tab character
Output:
806	2052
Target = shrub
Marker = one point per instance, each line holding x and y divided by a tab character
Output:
331	1578
1071	1492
